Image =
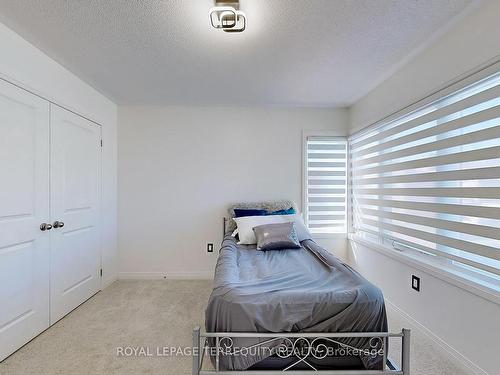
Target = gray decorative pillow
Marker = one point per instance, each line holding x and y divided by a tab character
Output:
276	236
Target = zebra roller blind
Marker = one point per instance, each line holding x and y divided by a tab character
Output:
325	184
431	179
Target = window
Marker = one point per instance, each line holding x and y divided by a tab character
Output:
430	180
325	183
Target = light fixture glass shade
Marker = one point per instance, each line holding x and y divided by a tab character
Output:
227	19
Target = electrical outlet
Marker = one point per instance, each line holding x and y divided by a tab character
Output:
415	283
210	247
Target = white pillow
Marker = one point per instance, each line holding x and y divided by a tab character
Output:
247	223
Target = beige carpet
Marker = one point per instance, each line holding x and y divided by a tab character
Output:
149	314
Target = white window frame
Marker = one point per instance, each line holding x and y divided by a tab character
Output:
335	136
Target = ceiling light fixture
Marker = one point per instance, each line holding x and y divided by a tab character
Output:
225	15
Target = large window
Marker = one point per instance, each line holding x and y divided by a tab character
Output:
430	180
325	181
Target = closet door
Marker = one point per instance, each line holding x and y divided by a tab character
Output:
24	205
75	211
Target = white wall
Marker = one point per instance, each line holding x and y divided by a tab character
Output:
468	324
468	44
180	167
25	65
465	322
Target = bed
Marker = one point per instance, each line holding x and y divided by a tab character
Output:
299	309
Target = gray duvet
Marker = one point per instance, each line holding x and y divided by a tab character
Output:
295	290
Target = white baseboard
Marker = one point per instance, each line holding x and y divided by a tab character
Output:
464	362
205	275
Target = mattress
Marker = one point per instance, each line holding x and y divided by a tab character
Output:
295	290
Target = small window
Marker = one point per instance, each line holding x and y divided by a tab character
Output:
325	184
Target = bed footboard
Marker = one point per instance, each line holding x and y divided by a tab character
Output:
309	341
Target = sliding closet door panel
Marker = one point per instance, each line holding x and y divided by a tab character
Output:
24	205
75	201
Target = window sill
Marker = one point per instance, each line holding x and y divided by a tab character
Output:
323	236
448	274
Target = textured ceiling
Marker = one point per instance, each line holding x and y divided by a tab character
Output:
293	53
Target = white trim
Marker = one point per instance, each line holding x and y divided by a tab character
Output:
426	265
323	133
48	98
321	236
101	214
335	137
412	323
305	134
202	275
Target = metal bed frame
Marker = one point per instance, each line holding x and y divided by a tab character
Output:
224	225
311	341
223	342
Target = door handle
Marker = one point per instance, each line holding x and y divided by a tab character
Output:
45	226
58	224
